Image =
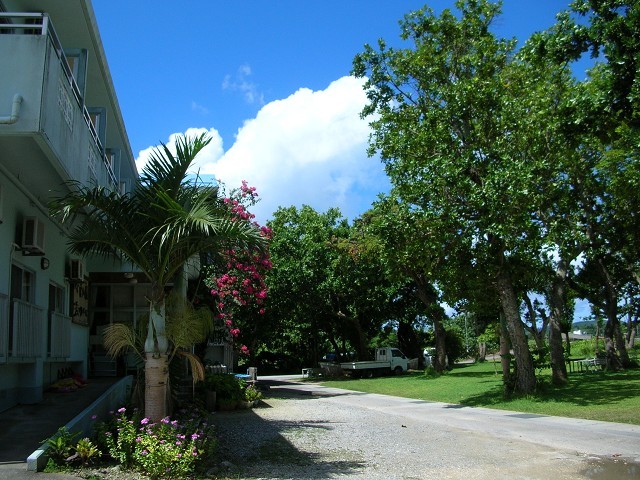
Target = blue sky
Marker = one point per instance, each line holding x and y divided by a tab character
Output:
270	81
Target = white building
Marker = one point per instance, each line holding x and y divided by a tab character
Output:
59	121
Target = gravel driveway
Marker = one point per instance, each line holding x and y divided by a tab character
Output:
302	432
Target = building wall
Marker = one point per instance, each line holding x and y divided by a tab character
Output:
23	380
54	140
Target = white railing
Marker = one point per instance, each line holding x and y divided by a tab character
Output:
4	327
18	23
27	329
59	336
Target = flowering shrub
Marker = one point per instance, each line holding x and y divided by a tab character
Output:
167	449
252	394
237	283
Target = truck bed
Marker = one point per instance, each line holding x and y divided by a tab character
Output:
365	365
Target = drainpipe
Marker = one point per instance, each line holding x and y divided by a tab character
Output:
15	111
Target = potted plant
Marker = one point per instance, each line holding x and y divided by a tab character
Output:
252	395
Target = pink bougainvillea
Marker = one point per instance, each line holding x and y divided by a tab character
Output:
238	282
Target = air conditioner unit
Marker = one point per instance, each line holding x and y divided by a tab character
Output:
76	271
32	236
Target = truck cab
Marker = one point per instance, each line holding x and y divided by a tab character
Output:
398	362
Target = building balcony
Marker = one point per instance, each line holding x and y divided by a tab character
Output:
49	133
26	330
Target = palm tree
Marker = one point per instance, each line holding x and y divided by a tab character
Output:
185	327
166	220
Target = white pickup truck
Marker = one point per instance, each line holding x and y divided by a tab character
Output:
388	360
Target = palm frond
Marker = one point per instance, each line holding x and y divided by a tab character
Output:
120	339
186	325
169	171
104	223
197	369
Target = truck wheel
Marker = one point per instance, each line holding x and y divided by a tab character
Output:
397	370
368	374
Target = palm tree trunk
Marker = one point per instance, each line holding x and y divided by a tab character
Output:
156	374
156	368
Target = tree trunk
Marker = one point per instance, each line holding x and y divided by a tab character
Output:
156	370
538	335
429	298
617	355
505	350
482	352
156	374
557	301
632	324
525	374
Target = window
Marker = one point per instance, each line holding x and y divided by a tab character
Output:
23	315
58	325
22	282
56	298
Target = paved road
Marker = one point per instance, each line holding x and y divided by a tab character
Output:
306	431
310	431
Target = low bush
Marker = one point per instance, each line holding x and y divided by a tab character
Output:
167	449
64	452
226	386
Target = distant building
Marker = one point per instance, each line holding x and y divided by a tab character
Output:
59	121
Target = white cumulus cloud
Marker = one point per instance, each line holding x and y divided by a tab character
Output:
309	148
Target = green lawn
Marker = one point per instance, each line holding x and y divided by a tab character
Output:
612	397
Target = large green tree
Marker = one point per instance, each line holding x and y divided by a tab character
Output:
325	291
468	134
411	249
168	218
602	121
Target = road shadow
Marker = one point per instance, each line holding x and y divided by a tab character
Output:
252	447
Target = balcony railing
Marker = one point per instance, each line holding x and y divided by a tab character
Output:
26	329
18	23
59	342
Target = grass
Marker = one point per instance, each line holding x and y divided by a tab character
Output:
607	396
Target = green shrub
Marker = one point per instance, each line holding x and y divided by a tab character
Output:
63	453
586	348
60	446
86	452
454	343
227	386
